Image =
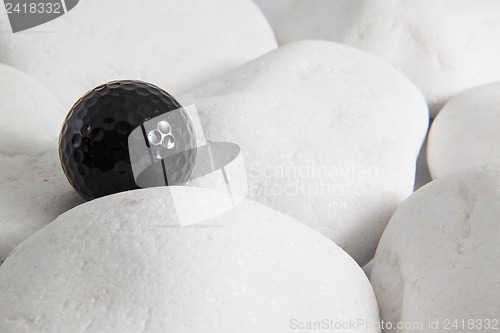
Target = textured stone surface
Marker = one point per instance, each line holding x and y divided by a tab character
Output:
122	263
438	257
330	136
466	132
445	46
34	190
173	44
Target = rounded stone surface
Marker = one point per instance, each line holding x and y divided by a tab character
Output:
122	263
329	134
175	44
34	190
445	47
438	257
466	132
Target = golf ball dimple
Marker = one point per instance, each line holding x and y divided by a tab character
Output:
93	144
154	137
169	142
164	127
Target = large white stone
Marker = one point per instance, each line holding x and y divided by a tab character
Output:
330	136
34	189
466	132
122	264
173	44
438	257
444	46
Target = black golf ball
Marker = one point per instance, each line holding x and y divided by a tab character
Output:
93	144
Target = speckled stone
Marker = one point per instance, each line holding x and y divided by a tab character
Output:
329	134
121	263
34	189
466	133
173	44
445	47
438	257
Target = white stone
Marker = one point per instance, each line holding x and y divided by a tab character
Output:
466	132
330	136
34	189
444	46
173	44
122	264
438	257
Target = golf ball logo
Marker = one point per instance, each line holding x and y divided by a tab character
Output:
163	150
161	139
171	149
